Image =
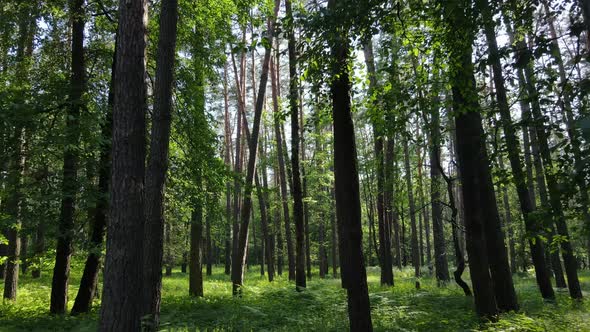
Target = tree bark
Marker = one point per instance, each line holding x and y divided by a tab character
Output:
348	207
196	251
89	281
440	254
239	258
282	172
412	210
378	136
298	217
157	165
122	292
512	144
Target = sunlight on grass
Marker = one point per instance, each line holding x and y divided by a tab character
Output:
322	307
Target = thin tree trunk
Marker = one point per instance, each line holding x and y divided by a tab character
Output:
89	281
211	201
378	136
282	172
157	165
196	252
298	217
122	292
412	210
228	163
63	255
239	258
512	143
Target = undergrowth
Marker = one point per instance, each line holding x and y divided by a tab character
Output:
277	306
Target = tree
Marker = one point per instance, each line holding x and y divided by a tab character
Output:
157	164
348	205
123	262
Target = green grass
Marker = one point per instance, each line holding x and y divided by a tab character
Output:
322	307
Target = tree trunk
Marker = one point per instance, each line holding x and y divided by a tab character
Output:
334	232
471	155
569	259
348	206
208	245
282	172
27	26
228	163
157	165
89	281
412	210
196	251
512	144
300	279
378	135
122	298
239	258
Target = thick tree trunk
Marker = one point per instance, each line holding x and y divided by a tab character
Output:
157	165
471	155
512	144
122	292
412	210
300	278
348	206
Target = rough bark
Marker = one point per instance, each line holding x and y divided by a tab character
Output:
122	294
348	207
512	145
298	217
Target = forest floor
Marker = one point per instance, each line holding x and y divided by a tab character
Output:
322	307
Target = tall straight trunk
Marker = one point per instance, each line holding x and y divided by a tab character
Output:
14	212
239	257
440	255
282	171
277	228
269	244
228	163
123	298
322	254
348	205
508	220
471	153
238	155
557	216
425	214
211	200
298	217
378	136
195	268
266	247
63	254
412	211
89	281
16	159
157	165
566	108
526	206
334	233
